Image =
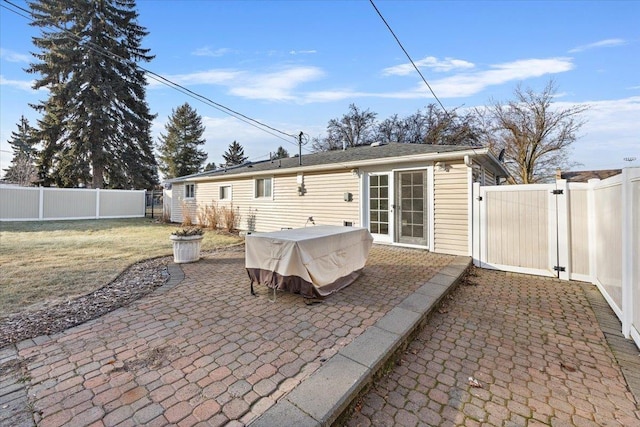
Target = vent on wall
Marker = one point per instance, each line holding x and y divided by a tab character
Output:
347	223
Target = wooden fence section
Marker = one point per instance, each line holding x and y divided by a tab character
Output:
574	231
42	204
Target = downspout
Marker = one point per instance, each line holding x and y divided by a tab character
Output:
470	211
467	161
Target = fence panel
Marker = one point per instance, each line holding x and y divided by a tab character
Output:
41	204
632	257
608	248
19	204
67	203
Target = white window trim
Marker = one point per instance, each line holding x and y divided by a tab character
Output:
230	187
255	188
186	186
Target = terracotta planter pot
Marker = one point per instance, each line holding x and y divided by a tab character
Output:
186	248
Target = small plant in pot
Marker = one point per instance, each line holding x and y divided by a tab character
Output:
186	244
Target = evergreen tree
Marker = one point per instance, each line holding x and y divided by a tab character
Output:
281	153
22	170
179	153
96	125
211	166
234	155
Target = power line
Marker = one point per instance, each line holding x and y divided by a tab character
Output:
161	79
410	60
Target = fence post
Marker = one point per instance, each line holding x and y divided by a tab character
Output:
41	204
97	203
564	247
627	250
592	225
475	225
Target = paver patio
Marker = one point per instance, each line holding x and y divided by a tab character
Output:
533	344
205	351
201	351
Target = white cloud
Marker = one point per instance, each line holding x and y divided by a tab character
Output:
11	56
611	132
25	85
207	51
302	52
212	77
460	85
468	84
278	85
601	43
430	62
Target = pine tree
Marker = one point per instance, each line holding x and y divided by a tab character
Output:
234	155
96	125
179	153
281	153
22	170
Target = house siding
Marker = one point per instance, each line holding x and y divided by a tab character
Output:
323	200
450	209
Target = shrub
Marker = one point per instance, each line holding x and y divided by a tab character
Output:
209	216
188	231
187	217
230	217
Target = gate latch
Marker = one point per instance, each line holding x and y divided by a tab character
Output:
557	192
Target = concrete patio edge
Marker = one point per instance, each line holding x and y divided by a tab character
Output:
324	396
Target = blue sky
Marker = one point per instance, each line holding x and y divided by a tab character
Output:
295	65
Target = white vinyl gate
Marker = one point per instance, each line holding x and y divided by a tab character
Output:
520	227
574	231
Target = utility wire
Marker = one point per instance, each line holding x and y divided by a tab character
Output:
410	60
161	79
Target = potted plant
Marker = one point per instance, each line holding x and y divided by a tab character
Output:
186	244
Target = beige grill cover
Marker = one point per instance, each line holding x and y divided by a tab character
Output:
312	261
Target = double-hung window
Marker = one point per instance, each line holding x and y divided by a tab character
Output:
263	188
189	191
225	192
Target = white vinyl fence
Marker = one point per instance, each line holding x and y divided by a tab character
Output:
41	204
574	231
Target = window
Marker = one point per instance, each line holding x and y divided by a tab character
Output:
189	191
225	192
263	187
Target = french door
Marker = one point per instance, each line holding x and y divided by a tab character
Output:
411	207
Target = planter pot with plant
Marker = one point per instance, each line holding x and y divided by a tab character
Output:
186	244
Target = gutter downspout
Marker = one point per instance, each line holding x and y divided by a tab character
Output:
470	207
467	161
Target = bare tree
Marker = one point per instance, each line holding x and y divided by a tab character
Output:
535	135
431	126
353	129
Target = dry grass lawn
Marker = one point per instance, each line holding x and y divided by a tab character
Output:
55	260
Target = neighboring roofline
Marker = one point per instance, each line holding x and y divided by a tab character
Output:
449	155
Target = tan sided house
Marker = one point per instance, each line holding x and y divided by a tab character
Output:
414	195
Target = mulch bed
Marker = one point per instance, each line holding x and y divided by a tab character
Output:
137	281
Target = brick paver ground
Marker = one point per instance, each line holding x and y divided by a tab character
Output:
206	351
533	345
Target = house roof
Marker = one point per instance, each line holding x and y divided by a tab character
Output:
349	158
584	176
